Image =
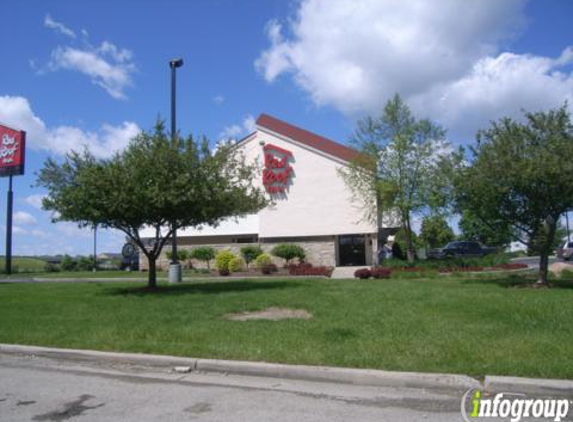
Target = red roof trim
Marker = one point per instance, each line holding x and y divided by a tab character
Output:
307	138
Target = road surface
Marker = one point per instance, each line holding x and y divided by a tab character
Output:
40	389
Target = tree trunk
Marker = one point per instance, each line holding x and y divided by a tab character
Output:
152	275
551	224
410	253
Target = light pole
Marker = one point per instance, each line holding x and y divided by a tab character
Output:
175	267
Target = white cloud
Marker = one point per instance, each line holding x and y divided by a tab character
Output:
247	126
35	200
24	218
40	234
72	230
218	99
498	86
445	57
18	230
17	112
107	66
58	27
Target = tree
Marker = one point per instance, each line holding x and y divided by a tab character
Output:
398	168
154	183
536	241
288	252
498	235
518	176
203	253
250	253
435	231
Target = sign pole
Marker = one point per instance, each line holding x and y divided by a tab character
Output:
9	228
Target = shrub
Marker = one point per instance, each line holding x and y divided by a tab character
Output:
380	272
362	273
182	255
308	269
51	268
250	253
222	260
203	253
85	263
67	263
236	264
269	269
288	252
262	260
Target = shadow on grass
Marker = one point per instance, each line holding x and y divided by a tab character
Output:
519	281
215	287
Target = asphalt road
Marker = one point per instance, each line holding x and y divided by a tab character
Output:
40	389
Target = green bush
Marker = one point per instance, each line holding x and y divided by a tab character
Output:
203	253
236	264
182	255
51	268
250	253
262	260
85	263
288	252
68	263
222	260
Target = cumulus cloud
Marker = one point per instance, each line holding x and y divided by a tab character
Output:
35	200
445	57
108	66
58	27
24	218
236	131
17	112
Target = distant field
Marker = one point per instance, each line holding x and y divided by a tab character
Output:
24	265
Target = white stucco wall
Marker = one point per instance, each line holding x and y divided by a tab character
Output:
316	203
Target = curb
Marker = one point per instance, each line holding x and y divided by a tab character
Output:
545	387
367	377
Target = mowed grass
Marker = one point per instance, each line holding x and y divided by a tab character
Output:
23	264
450	325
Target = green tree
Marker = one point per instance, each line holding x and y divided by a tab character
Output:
288	252
518	176
435	232
203	253
539	238
498	234
250	253
67	263
155	183
398	171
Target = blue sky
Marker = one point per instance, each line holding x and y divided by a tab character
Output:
95	73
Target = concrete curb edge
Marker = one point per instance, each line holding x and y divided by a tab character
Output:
366	377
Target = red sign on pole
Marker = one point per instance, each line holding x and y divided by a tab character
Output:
12	151
277	171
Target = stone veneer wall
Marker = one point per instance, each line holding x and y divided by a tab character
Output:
318	252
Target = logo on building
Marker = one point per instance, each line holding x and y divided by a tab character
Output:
277	171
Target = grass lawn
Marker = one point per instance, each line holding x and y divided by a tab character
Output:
97	274
451	324
24	264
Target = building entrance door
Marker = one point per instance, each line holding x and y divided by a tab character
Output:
351	250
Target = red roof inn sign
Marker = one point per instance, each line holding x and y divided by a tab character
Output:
12	151
277	172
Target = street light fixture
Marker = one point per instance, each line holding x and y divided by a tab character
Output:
175	267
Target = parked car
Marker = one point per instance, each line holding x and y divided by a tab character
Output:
461	249
566	251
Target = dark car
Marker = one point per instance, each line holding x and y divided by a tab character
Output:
461	249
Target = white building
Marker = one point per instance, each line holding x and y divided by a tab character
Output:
312	206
